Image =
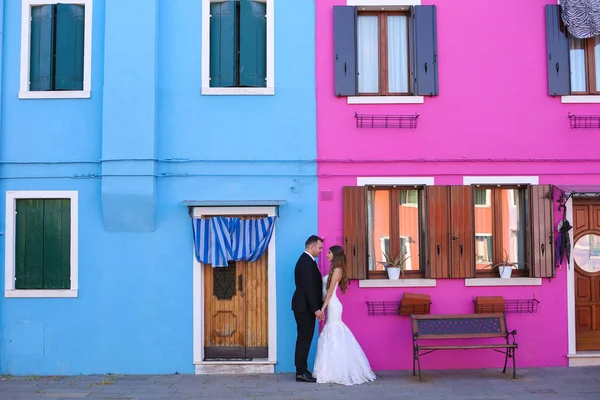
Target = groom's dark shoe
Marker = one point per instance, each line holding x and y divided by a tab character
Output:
305	377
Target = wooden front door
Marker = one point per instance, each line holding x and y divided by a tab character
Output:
586	254
236	311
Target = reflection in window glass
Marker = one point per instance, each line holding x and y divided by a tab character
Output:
484	224
379	227
586	253
408	223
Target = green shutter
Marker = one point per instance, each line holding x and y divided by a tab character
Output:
70	21
41	57
253	43
29	244
57	237
223	44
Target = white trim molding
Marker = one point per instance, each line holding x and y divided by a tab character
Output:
257	365
394	180
386	283
383	3
503	282
501	180
580	99
386	100
24	92
270	88
9	243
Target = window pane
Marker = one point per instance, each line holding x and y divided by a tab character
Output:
397	54
379	227
577	56
483	229
513	231
368	54
597	61
408	214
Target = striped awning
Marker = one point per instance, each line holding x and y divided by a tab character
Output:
581	17
218	240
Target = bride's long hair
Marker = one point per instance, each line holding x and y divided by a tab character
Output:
338	261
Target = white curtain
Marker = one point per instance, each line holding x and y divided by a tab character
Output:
397	54
597	63
368	54
577	57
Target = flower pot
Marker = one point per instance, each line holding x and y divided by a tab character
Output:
393	272
505	271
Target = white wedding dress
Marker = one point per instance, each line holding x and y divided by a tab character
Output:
340	359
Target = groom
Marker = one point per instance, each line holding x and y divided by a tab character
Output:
306	304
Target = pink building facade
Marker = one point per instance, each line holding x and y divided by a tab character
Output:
489	145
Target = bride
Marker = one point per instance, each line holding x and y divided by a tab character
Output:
340	359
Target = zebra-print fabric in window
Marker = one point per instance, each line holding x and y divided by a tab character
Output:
581	17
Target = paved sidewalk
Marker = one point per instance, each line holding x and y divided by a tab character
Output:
548	383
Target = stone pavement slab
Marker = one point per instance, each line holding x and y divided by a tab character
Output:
581	383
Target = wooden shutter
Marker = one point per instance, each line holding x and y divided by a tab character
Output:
355	231
70	21
344	34
57	244
253	43
557	42
437	232
462	232
29	242
424	50
41	57
542	231
223	44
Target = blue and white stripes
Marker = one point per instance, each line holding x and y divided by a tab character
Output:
218	240
581	17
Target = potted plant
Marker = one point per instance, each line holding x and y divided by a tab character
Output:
505	267
394	265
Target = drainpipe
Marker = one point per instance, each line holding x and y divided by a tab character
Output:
2	311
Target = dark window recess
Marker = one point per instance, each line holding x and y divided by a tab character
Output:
224	282
386	121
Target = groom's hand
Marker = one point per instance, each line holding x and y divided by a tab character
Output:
319	314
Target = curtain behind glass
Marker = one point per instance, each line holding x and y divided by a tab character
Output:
397	54
597	63
368	54
577	56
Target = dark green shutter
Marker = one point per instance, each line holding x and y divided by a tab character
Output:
223	44
253	43
424	51
557	44
70	22
57	238
41	57
29	244
344	48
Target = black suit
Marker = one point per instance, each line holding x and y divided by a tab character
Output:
306	300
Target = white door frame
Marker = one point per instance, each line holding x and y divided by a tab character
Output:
257	365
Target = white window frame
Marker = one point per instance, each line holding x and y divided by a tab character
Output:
270	88
9	243
382	5
24	92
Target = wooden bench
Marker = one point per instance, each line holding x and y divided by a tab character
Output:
461	326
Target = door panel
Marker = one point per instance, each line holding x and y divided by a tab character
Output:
257	317
586	221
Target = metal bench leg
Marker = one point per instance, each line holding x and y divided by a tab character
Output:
414	359
514	364
419	365
506	360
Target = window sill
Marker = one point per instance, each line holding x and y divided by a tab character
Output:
40	293
503	282
67	94
580	99
385	100
266	91
375	283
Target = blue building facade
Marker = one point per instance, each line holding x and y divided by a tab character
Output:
120	121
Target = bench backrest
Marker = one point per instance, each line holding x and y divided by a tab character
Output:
456	326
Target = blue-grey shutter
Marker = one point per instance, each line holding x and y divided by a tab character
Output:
424	51
557	41
41	57
223	44
70	21
253	43
344	37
